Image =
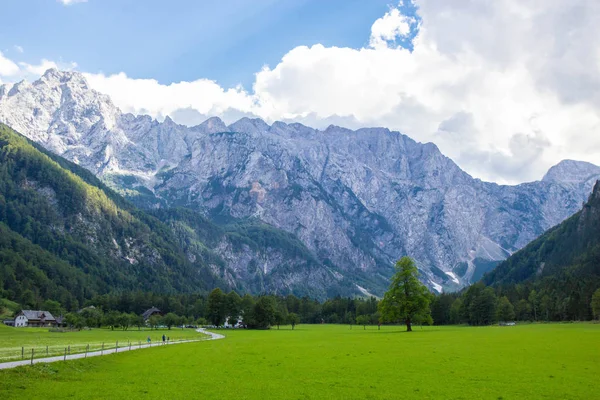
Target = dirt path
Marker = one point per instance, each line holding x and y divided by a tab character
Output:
14	364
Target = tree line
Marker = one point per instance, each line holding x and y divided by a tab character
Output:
485	305
407	301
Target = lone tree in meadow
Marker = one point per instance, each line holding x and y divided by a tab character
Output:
407	298
293	319
363	320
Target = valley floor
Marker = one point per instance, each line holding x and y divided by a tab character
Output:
335	362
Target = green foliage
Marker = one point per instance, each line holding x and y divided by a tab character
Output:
74	320
293	320
456	312
363	320
596	304
263	313
53	307
281	316
441	308
554	277
407	297
8	308
233	306
65	237
154	321
170	320
92	317
479	305
506	311
217	307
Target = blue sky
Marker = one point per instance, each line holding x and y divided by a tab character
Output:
503	87
227	41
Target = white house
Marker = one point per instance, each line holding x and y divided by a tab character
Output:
34	318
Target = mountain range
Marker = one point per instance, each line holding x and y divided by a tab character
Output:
319	212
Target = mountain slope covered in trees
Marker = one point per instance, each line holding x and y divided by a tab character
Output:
561	267
66	236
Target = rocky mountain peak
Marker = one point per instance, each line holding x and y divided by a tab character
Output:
249	125
54	78
571	172
19	87
211	125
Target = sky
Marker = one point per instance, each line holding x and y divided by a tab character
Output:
506	88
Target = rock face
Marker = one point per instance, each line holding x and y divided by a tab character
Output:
358	200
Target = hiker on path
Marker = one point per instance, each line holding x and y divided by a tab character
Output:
164	338
148	340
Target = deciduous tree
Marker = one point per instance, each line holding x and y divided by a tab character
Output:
154	321
171	319
293	319
363	320
407	297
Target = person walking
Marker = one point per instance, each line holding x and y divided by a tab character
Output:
164	338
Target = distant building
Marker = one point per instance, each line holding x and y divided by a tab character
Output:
60	321
34	318
9	322
238	324
150	312
86	308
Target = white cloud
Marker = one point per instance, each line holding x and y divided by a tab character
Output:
148	96
19	49
45	65
70	2
506	88
7	67
387	28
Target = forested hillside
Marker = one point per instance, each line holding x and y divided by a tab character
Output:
555	276
571	248
65	236
561	268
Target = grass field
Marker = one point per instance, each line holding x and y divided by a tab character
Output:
333	362
16	341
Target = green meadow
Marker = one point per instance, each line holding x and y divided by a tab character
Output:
16	342
545	361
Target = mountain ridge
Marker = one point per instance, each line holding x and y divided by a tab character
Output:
358	200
